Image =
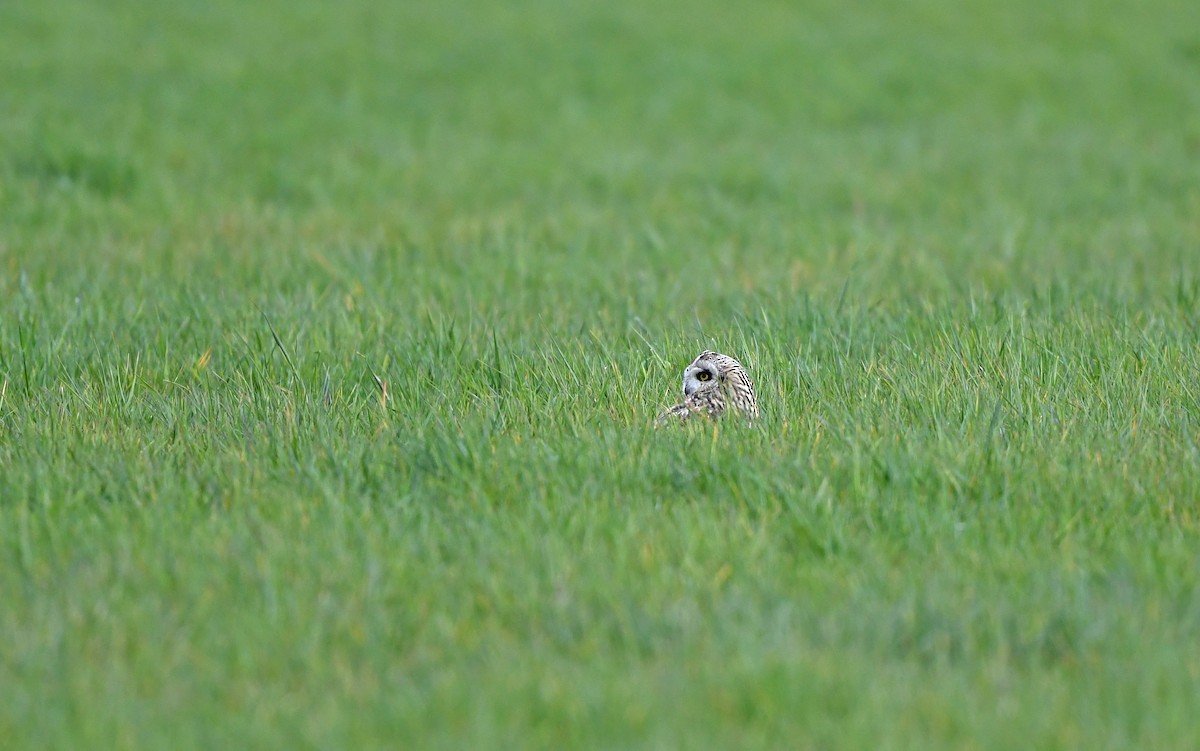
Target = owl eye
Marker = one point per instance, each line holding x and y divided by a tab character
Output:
703	375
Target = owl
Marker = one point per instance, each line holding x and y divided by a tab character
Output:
710	384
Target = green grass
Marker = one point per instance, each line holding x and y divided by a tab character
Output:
955	243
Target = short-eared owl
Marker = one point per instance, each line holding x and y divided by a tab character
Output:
710	384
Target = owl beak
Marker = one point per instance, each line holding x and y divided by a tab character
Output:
688	390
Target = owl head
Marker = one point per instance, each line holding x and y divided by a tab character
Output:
712	370
711	383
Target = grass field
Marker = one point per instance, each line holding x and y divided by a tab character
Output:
956	244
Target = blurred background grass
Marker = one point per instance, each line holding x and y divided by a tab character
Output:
926	147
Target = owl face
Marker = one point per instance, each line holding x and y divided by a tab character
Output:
703	374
